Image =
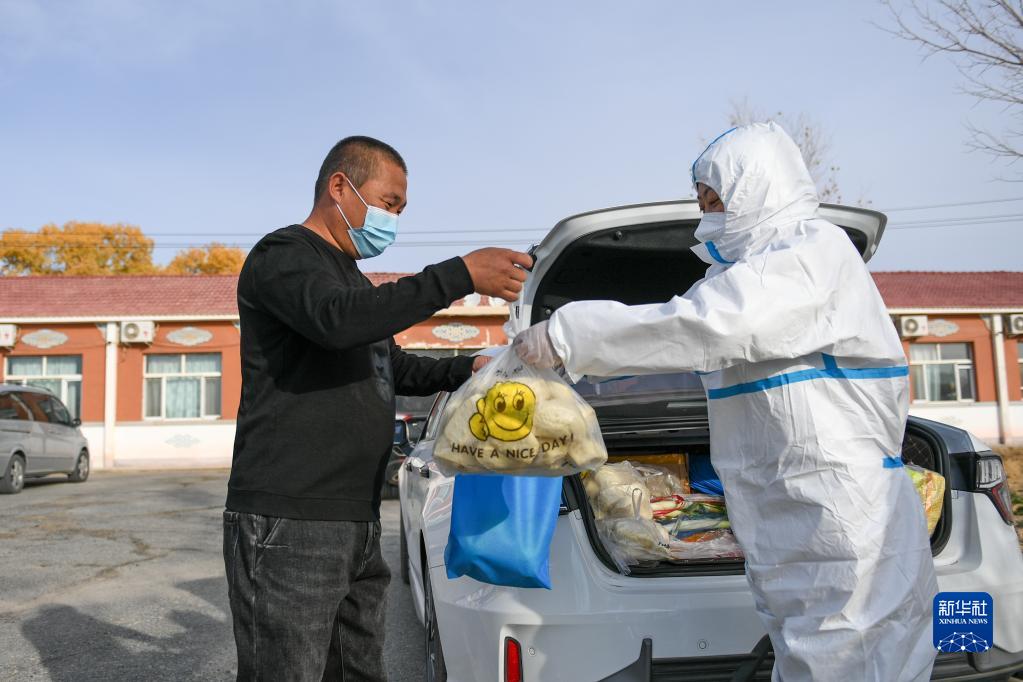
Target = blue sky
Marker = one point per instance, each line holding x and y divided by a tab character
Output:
203	121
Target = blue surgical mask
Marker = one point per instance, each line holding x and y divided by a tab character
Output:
378	230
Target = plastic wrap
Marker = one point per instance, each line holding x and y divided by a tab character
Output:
930	486
713	544
672	463
660	481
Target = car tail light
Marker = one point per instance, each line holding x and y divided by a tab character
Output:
512	660
990	480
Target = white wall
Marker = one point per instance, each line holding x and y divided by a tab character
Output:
174	445
980	419
191	444
93	432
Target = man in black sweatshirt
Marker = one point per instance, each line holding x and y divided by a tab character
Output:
320	370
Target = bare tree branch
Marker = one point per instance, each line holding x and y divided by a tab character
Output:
984	38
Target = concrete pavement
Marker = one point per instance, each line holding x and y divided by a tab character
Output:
122	577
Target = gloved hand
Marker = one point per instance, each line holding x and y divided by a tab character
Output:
534	347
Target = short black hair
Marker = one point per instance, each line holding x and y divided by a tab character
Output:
356	157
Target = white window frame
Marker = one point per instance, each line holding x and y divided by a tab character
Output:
1019	361
180	374
25	379
970	362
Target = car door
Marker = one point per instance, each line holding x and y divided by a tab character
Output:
415	489
45	450
18	432
61	436
417	470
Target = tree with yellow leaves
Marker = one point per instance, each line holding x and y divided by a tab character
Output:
99	249
77	249
212	259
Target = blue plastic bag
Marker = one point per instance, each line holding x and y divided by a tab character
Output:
501	529
702	477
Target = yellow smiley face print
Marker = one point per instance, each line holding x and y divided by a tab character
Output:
505	413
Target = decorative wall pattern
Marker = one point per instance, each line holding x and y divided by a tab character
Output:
941	328
456	332
44	338
189	336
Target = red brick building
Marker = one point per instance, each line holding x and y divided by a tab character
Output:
150	363
965	360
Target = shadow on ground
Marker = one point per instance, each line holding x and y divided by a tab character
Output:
76	646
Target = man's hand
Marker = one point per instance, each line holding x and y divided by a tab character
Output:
498	272
535	348
479	362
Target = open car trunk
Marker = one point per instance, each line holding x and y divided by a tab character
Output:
642	254
920	447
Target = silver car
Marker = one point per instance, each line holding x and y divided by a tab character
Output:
38	437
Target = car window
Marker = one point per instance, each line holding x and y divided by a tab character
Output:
36	402
433	422
12	408
58	413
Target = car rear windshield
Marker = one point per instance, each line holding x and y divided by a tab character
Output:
650	396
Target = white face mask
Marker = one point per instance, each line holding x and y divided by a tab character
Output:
711	226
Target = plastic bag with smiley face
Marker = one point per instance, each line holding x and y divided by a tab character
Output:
512	418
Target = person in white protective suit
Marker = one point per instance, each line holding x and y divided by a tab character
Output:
808	394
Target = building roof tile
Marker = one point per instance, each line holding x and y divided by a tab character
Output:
169	295
944	290
58	296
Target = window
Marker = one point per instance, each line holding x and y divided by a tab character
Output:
58	413
12	408
39	404
942	372
182	386
61	375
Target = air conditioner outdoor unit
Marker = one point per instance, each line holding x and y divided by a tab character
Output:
142	331
913	325
8	335
1015	324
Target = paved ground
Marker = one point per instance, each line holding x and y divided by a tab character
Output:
122	578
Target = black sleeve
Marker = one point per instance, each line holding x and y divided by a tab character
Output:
297	285
418	375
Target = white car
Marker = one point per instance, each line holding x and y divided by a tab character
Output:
694	621
38	437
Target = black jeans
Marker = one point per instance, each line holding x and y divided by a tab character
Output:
308	598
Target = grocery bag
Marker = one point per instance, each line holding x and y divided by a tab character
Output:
513	418
501	529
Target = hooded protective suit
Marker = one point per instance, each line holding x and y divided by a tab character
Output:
808	394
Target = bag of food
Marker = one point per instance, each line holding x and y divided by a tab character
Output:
617	491
712	544
930	486
633	539
650	464
513	418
